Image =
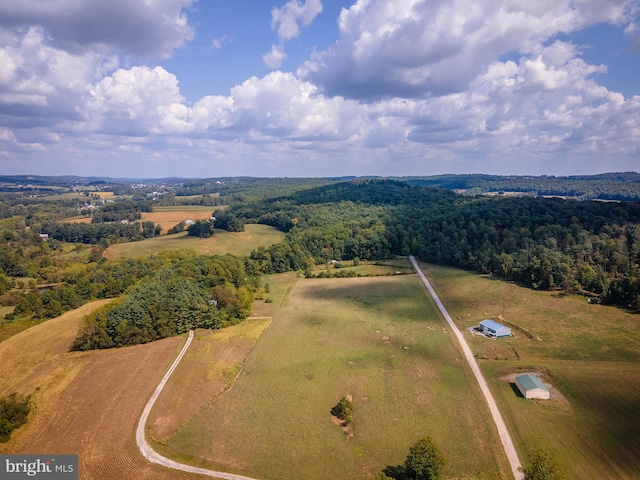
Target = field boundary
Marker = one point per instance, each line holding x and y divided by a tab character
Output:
503	432
154	457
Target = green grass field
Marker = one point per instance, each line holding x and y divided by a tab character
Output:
186	208
221	242
589	353
377	339
388	267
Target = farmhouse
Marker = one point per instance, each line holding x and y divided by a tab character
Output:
494	329
532	387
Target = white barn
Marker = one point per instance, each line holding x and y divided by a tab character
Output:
494	329
532	387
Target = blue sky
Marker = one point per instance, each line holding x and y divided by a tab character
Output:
197	88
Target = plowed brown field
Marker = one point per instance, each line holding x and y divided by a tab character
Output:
85	402
169	219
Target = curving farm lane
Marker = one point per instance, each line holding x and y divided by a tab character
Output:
153	456
505	438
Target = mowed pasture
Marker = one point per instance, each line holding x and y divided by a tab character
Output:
222	242
589	354
86	403
376	339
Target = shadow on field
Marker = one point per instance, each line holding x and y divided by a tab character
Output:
351	287
398	299
515	389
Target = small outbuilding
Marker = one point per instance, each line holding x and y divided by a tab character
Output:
494	329
532	387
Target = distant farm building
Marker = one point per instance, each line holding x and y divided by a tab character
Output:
532	387
494	329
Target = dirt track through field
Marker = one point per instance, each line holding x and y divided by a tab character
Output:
507	442
153	456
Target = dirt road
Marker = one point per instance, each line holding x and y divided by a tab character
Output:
507	443
153	456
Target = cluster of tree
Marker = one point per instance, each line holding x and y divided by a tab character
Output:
227	221
47	302
424	462
92	233
129	210
37	210
76	284
191	292
14	410
200	228
540	465
208	200
22	251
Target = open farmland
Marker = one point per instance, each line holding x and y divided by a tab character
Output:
86	403
222	242
376	339
168	217
589	354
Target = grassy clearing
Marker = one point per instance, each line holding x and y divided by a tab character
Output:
86	403
589	353
376	339
391	267
222	242
77	219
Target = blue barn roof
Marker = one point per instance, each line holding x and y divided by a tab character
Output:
491	325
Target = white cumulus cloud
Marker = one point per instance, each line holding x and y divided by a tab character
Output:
287	20
414	48
275	57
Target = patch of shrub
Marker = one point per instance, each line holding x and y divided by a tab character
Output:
343	410
14	410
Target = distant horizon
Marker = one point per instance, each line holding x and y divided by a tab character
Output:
337	177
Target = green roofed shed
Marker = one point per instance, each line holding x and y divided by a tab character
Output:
532	387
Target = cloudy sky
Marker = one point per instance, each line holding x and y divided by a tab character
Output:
153	88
